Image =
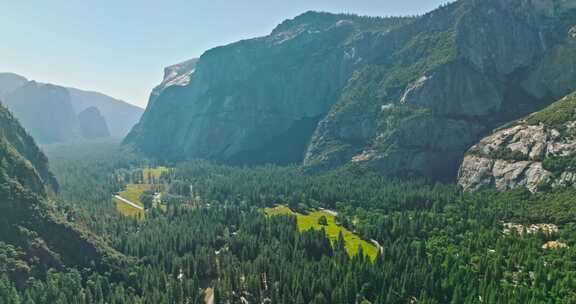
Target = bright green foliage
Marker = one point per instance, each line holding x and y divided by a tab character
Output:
559	164
557	114
324	220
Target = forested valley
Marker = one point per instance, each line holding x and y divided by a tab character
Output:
212	241
341	152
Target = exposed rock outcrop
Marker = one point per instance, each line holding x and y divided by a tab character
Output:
488	59
120	116
537	152
92	124
257	100
405	95
45	111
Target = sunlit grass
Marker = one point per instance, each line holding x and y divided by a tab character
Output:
310	221
134	191
154	173
128	210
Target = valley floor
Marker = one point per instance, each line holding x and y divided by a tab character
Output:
226	234
332	229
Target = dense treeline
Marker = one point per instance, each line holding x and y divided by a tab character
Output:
438	245
268	185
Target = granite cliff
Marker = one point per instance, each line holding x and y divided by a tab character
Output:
45	111
407	96
119	115
257	100
93	124
537	152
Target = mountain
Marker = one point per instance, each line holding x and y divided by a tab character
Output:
31	232
537	152
257	100
120	116
10	82
45	111
407	96
93	124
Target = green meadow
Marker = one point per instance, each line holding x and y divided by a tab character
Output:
333	229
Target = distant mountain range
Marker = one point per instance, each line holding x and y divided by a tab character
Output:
54	114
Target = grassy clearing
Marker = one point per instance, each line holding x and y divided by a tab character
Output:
310	221
128	210
153	173
134	191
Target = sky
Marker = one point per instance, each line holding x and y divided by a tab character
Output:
120	47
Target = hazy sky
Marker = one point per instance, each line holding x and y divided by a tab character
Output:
120	47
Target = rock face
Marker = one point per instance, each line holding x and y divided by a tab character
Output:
93	124
27	221
10	82
537	152
257	100
119	115
175	75
45	111
407	96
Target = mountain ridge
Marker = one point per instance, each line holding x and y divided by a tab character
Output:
120	116
407	96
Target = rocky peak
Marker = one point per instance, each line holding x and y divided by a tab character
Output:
93	124
179	74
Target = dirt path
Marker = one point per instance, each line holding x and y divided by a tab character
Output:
209	296
331	212
129	202
375	242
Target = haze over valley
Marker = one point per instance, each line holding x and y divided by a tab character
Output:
427	155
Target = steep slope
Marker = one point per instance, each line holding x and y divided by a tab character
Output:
460	71
405	96
257	100
27	222
537	152
10	82
120	115
93	124
20	147
175	75
45	111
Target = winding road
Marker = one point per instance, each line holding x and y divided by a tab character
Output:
129	202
